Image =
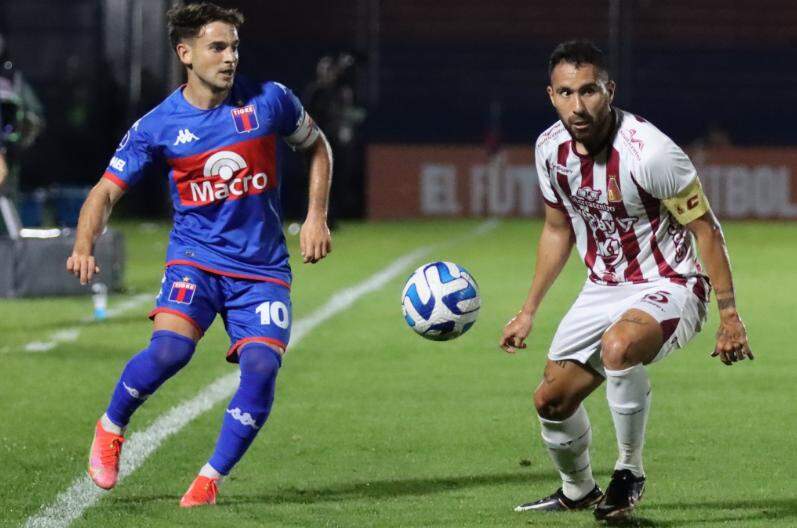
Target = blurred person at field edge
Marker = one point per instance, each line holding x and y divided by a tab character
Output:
332	99
21	120
227	254
631	202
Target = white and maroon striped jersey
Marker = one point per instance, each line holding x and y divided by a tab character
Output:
622	229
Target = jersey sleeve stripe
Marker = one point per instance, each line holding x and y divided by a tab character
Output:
108	175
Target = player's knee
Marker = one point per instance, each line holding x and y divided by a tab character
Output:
258	358
170	351
259	365
616	351
552	406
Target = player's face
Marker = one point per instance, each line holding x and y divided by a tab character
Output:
213	55
582	97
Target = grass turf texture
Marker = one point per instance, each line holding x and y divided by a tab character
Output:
374	426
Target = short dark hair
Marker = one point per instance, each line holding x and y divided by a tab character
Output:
578	52
186	21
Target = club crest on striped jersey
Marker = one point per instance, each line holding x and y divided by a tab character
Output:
182	291
245	119
613	193
589	194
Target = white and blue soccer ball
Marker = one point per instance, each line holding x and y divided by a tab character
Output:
440	301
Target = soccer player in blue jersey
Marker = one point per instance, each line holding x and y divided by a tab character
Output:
226	253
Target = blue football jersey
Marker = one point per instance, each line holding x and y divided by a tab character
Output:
223	176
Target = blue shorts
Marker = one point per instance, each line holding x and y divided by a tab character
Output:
251	310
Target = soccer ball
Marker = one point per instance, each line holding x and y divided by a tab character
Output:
440	301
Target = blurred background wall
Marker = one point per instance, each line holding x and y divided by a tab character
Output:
467	72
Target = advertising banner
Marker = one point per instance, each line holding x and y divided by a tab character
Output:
438	181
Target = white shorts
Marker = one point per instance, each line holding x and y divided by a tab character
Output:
679	311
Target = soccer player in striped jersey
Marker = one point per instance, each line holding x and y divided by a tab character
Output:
227	255
630	200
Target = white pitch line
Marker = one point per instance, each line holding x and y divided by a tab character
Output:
83	493
68	335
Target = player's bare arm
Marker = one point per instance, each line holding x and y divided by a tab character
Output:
556	242
315	240
732	344
93	217
3	168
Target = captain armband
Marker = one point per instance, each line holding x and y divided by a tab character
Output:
689	204
306	133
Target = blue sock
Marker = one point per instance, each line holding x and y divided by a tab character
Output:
167	353
249	407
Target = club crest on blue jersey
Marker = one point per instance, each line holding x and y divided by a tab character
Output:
245	119
182	291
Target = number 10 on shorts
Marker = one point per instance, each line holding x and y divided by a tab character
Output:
273	312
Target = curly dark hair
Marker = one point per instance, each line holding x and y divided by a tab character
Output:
186	21
578	52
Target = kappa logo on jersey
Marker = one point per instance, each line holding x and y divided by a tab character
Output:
245	119
182	291
185	136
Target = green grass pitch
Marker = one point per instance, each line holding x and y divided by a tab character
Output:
374	426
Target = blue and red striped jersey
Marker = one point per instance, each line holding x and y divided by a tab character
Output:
223	176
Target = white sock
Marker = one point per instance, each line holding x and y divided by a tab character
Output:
208	471
111	427
568	446
628	392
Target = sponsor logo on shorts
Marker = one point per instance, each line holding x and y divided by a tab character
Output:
657	299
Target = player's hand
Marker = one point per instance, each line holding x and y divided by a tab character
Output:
515	332
82	266
315	240
732	344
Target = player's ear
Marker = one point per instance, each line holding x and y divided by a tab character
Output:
183	51
610	87
549	89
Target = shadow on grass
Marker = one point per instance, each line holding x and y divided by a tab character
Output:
775	511
381	489
377	489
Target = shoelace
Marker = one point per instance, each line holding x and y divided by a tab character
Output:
200	493
109	454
